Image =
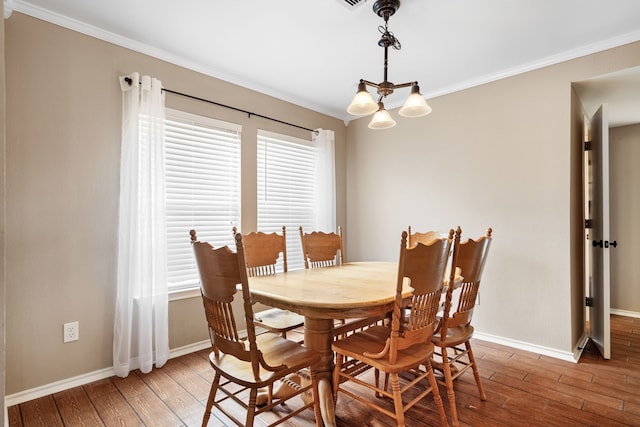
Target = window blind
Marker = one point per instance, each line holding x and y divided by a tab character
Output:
202	179
286	189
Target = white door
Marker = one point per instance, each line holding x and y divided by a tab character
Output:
598	245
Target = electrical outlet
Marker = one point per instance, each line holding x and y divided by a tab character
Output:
71	331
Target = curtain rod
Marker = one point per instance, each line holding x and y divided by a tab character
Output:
248	113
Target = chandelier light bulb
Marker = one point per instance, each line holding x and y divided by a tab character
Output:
363	103
415	105
381	119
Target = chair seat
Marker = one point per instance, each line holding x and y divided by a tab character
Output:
372	340
280	352
455	336
278	320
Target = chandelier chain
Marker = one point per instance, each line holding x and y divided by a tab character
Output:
388	39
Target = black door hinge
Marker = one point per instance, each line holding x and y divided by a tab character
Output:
587	146
588	301
588	223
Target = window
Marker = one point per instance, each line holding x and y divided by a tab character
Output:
286	189
202	170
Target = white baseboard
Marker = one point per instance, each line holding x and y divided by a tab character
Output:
187	349
547	351
47	389
625	313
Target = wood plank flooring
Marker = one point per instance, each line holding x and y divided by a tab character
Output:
523	389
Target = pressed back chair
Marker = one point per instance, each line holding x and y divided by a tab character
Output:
405	345
454	354
321	249
262	251
256	362
425	238
422	237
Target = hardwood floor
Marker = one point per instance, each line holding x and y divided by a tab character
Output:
523	389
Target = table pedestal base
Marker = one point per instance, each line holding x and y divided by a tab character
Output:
318	335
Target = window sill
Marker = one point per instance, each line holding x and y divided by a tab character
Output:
184	294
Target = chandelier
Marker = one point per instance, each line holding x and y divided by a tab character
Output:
363	103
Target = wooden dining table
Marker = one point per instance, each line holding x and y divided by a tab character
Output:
351	290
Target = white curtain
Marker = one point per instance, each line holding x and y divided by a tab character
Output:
141	322
325	181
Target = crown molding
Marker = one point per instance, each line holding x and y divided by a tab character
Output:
118	40
81	27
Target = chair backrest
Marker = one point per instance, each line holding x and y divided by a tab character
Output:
321	249
425	238
424	266
470	257
262	251
221	270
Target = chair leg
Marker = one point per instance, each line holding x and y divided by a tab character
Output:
386	382
446	367
316	398
476	374
397	399
251	408
212	397
336	377
376	376
436	394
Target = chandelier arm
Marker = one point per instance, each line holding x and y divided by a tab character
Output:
368	83
391	85
404	85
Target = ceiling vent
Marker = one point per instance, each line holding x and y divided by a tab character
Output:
352	4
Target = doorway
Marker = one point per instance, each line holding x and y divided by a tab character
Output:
620	90
625	210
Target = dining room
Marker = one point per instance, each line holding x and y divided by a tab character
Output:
506	153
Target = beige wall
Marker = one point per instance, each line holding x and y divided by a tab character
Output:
63	152
499	155
624	153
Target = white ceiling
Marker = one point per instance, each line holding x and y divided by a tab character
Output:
314	52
